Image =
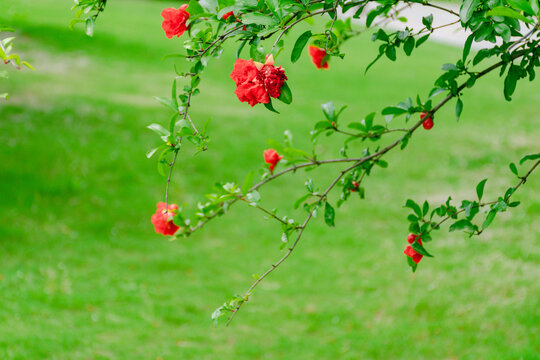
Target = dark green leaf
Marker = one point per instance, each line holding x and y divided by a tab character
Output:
329	215
270	107
513	168
459	108
286	94
529	157
420	249
480	189
299	46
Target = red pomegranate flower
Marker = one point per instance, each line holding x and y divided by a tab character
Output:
249	83
257	82
409	251
319	57
174	22
271	157
162	219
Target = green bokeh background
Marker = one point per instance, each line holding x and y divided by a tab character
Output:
83	275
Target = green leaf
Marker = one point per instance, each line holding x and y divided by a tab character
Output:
329	215
414	206
286	94
467	9
194	8
467	47
258	18
427	21
522	5
462	224
513	168
270	107
329	110
420	249
489	219
480	189
299	46
300	200
508	12
158	129
248	181
253	197
459	108
167	102
393	110
408	46
391	52
529	157
151	153
411	263
425	208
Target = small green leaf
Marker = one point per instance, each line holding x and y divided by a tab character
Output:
489	219
459	108
513	168
414	206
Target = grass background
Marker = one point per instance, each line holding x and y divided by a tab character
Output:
83	275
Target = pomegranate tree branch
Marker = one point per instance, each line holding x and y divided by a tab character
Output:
373	156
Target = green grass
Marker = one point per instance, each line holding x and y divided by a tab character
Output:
83	275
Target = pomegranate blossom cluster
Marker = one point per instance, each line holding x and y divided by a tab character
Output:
257	82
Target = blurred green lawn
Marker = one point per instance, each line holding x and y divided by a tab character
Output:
84	276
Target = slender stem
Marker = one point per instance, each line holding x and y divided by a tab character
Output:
219	38
329	31
293	246
524	37
171	166
440	8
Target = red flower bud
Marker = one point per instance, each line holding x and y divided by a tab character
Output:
163	219
428	123
271	157
174	22
355	186
319	57
227	15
